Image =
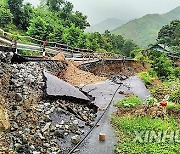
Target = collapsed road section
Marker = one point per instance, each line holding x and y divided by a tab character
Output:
58	87
35	122
44	114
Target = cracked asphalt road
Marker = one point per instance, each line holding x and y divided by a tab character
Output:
103	93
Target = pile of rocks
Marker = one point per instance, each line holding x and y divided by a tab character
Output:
40	124
47	127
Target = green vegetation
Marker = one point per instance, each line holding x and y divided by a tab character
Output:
175	96
5	16
144	31
150	101
30	53
173	106
127	127
161	64
129	124
131	101
162	79
170	34
145	77
55	21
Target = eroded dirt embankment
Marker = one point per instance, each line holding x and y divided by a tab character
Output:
112	67
78	73
75	76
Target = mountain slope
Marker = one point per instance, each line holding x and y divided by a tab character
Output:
108	24
144	31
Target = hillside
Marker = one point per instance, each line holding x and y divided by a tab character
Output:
108	24
144	31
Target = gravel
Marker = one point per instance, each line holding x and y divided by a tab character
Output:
38	123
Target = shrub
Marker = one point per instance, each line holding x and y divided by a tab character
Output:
152	73
151	101
131	101
145	77
175	96
177	72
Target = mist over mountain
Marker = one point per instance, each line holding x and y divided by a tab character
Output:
108	24
144	30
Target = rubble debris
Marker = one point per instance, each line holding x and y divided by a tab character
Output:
58	87
102	137
60	57
38	124
4	119
75	76
75	139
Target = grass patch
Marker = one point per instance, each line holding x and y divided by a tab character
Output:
175	96
131	101
129	124
145	77
154	148
173	106
126	127
30	53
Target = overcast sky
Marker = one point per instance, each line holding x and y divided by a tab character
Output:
99	10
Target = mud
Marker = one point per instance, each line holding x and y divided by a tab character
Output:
106	68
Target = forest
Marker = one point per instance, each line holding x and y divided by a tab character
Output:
55	20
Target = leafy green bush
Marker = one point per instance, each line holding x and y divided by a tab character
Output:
175	96
177	72
152	73
151	101
5	17
30	53
145	77
131	101
161	64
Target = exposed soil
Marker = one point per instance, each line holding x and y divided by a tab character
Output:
154	111
98	73
177	63
74	75
128	68
174	112
77	77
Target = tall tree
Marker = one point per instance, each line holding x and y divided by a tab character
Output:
55	5
26	15
15	8
170	34
5	16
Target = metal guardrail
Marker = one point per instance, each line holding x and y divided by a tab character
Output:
53	47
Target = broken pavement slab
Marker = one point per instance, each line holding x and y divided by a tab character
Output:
58	87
